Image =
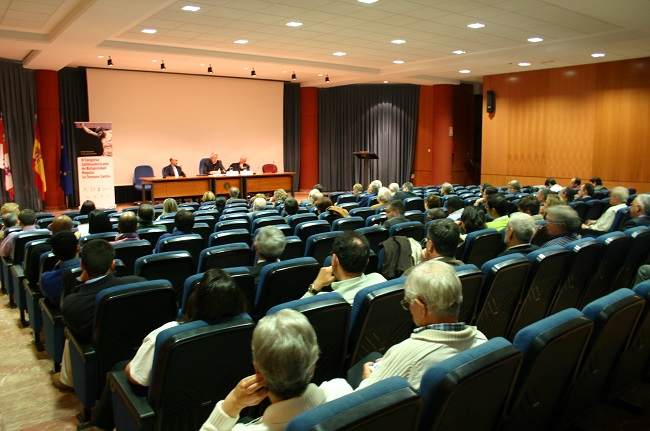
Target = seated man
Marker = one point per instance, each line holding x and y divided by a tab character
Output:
32	267
27	220
383	197
406	192
234	193
394	214
184	221
285	351
455	207
497	207
240	166
214	165
259	204
542	194
617	200
530	205
172	169
575	183
145	216
443	237
585	193
127	226
290	207
519	232
66	248
357	189
373	189
562	227
394	188
269	245
597	183
446	189
346	276
78	307
514	187
639	212
433	294
567	194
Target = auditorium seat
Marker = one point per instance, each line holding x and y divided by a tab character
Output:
413	203
480	246
151	234
415	215
308	228
319	245
362	212
224	256
637	254
232	224
294	249
129	251
471	279
375	236
138	173
614	248
191	242
261	222
376	219
345	198
411	229
230	237
293	220
348	223
174	266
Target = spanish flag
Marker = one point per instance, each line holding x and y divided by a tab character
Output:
37	164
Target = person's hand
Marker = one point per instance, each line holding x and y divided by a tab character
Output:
325	278
367	371
250	391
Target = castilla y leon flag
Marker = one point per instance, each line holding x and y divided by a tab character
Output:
4	162
37	164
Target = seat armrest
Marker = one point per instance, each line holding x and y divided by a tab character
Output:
17	272
132	397
53	316
86	351
35	294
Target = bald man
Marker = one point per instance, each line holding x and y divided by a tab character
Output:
59	224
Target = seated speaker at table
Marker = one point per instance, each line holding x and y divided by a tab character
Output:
240	166
173	169
214	165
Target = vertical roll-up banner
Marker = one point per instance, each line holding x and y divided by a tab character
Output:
95	163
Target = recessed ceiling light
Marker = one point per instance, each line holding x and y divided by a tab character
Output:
191	8
476	25
398	41
535	39
148	30
241	41
464	71
339	53
398	61
320	74
523	64
367	1
294	24
245	68
154	61
598	54
385	82
100	56
459	51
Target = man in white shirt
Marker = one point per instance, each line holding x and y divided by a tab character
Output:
617	200
172	169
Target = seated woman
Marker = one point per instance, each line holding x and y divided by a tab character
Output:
169	206
216	298
279	196
98	222
207	201
472	219
285	351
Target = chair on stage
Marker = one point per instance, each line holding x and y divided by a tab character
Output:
138	173
269	168
202	164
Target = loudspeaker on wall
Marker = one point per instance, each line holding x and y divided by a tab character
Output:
490	101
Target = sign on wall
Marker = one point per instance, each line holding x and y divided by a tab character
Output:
95	163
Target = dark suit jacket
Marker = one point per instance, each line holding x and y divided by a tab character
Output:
235	167
32	267
169	172
257	269
395	220
365	201
401	195
79	306
208	166
636	222
522	248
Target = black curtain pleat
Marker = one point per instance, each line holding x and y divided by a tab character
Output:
73	103
377	118
18	106
291	144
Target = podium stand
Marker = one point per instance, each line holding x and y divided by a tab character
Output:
365	156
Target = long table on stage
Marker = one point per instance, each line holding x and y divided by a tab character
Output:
162	188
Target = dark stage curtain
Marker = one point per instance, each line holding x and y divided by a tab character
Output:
377	118
18	106
291	144
73	103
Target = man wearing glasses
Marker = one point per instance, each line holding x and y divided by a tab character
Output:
562	227
433	295
639	213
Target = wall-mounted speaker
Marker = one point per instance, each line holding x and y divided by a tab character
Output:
490	101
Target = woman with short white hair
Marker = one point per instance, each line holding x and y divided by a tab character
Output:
285	351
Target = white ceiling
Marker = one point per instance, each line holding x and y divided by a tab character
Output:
52	34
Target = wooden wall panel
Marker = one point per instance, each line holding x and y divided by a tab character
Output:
585	121
463	122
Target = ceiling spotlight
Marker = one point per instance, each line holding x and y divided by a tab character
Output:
162	65
398	61
253	74
210	68
597	54
464	71
293	76
398	41
476	25
523	64
109	62
241	41
367	1
293	24
535	39
191	8
339	53
327	79
148	30
459	51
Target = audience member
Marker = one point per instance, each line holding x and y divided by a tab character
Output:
406	192
639	212
285	351
97	264
433	294
486	191
551	200
346	276
184	223
173	169
567	194
394	214
514	187
575	183
519	232
234	193
542	194
279	196
586	192
99	222
127	226
87	207
642	274
443	237
318	187
213	166
10	207
66	249
373	189
215	299
259	204
220	204
32	266
473	219
435	214
597	183
393	187
383	197
553	185
617	200
269	245
561	227
8	220
207	197
169	207
27	220
322	204
455	208
497	208
446	189
529	204
145	216
290	207
357	189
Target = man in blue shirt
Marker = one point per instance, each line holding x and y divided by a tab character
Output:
66	248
